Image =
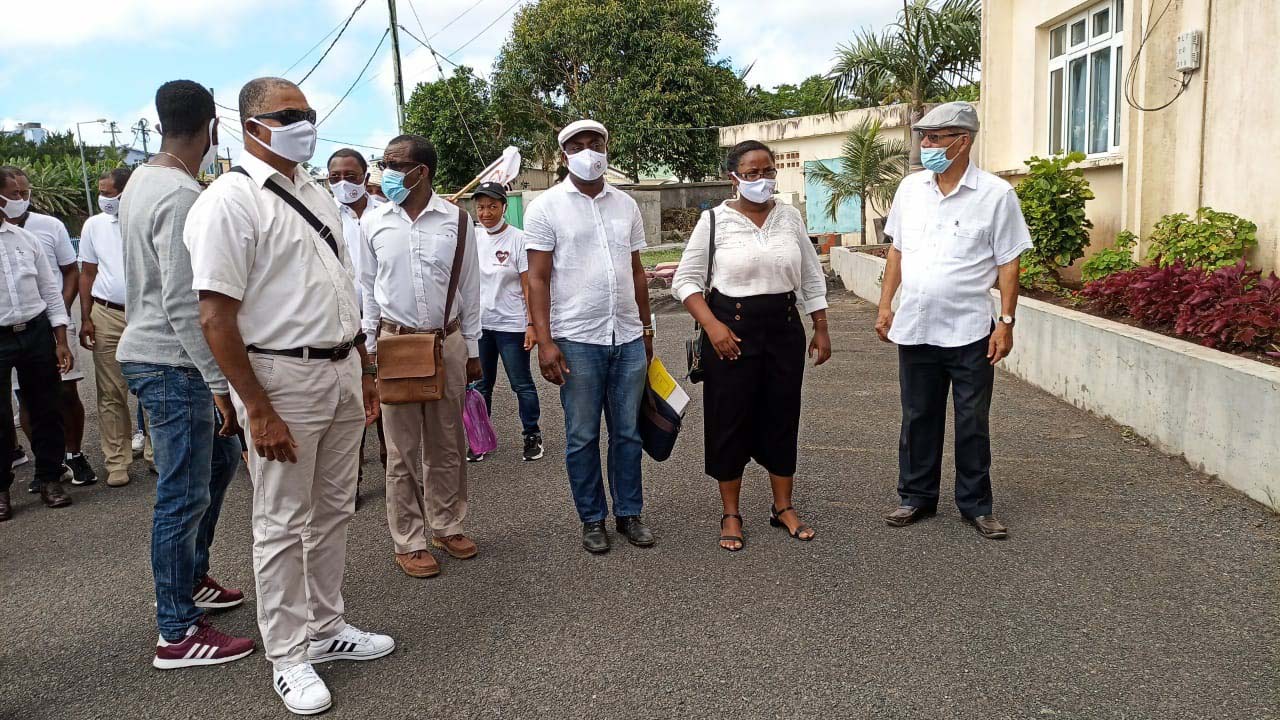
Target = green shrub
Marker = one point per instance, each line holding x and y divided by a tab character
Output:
1210	241
1053	196
1113	259
1035	274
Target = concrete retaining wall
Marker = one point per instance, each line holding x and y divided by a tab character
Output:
1219	411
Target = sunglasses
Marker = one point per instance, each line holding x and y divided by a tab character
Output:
289	116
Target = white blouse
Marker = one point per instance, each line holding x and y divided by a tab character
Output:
750	260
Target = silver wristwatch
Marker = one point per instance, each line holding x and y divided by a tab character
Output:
1007	320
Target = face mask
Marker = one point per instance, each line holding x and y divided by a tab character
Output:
347	193
936	159
109	205
212	153
757	191
588	164
296	142
13	209
393	186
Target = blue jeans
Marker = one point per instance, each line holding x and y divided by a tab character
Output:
608	378
510	347
195	467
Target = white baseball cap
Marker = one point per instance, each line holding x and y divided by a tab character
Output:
578	126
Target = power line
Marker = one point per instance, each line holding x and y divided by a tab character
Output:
313	48
335	42
368	62
456	19
445	81
485	30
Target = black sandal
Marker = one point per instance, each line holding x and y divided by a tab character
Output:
740	539
774	520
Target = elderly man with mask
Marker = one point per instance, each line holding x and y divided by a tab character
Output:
278	309
956	231
589	302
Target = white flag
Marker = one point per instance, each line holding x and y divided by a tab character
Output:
505	169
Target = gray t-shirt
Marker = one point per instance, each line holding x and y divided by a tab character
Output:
163	312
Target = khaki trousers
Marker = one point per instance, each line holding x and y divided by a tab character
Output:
300	511
426	471
114	420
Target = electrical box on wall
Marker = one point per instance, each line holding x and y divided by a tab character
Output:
1187	56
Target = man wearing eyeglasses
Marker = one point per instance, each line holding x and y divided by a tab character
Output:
956	231
278	308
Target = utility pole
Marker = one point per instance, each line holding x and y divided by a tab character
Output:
144	130
395	64
113	129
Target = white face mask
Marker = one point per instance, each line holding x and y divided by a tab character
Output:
588	164
212	153
296	142
109	205
757	191
347	193
13	209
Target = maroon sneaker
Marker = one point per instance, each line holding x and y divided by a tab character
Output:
203	645
209	595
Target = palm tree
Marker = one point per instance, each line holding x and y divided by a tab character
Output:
870	169
928	55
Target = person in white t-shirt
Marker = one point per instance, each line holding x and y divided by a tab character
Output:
506	328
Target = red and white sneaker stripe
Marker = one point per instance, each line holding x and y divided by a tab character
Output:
209	595
204	645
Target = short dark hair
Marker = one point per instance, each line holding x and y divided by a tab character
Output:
253	96
734	156
420	150
119	177
7	173
14	169
185	108
348	152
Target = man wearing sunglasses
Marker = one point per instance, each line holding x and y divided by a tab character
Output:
278	308
956	231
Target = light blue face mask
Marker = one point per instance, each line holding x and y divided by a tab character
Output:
936	159
393	186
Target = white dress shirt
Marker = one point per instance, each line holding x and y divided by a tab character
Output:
951	248
354	237
100	243
30	284
247	244
405	267
502	260
53	238
593	296
770	260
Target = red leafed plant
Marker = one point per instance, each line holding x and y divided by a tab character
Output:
1156	297
1112	294
1233	308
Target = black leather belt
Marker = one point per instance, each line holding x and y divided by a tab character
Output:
20	327
333	354
104	303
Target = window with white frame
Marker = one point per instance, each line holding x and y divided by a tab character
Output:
1086	71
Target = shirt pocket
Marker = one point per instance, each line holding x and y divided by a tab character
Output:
967	242
913	235
620	235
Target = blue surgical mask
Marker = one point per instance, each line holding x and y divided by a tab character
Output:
936	159
393	186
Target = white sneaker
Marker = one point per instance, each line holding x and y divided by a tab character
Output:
138	440
351	644
301	689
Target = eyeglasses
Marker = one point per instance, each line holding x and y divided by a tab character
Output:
400	167
289	116
937	138
769	173
351	177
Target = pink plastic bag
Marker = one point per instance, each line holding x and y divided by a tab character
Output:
475	418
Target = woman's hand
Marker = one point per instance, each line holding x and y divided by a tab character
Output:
723	340
820	345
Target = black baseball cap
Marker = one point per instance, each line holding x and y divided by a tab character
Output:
493	190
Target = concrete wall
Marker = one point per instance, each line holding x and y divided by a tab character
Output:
1219	411
686	195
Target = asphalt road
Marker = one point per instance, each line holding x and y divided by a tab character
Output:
1132	586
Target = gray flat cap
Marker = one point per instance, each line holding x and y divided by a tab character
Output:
950	115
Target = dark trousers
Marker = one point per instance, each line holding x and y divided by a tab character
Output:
926	373
509	346
31	352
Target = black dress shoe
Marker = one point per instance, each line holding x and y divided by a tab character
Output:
637	532
904	515
989	527
594	537
54	495
6	510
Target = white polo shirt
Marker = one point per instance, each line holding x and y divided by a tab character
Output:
247	244
100	243
502	260
53	237
29	285
951	248
593	297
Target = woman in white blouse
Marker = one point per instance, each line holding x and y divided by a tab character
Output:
749	297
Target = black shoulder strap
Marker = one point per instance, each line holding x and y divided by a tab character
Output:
711	249
325	233
458	248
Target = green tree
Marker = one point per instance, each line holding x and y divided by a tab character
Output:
642	67
870	168
1053	196
786	100
930	53
436	111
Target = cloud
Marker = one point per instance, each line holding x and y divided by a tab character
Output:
76	22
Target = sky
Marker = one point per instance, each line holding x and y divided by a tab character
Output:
68	61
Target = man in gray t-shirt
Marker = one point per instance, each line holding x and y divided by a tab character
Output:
167	363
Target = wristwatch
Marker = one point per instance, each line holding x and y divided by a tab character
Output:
649	332
1007	320
370	369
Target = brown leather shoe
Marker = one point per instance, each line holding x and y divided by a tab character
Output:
418	564
54	495
6	510
459	546
989	527
905	515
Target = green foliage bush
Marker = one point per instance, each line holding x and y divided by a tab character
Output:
1210	241
1111	260
1053	196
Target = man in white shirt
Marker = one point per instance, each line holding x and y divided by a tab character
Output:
279	312
590	306
102	322
413	260
56	244
956	230
33	340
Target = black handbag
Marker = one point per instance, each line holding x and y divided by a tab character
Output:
659	425
693	346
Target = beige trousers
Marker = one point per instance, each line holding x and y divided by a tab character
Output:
426	471
114	420
300	511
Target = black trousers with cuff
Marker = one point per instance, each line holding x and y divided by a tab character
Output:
31	352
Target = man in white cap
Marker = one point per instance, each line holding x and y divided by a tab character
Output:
589	303
956	231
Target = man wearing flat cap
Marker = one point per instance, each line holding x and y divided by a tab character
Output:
589	304
956	231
